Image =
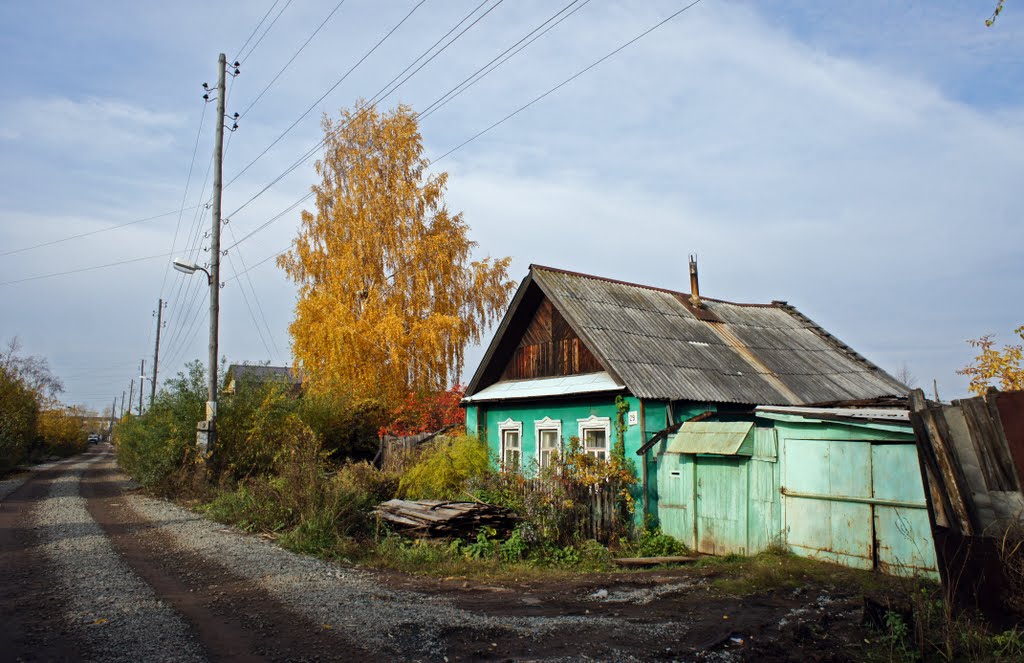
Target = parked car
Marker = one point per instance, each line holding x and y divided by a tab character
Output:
93	439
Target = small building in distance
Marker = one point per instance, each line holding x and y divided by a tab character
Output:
238	375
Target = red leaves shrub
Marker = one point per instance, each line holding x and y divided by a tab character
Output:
426	412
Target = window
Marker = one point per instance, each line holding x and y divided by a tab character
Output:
549	440
511	435
595	433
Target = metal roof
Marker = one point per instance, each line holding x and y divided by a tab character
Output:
542	387
648	339
889	415
712	437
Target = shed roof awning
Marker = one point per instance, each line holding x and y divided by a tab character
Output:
723	438
567	385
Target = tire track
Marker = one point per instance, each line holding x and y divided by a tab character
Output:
31	628
107	608
233	619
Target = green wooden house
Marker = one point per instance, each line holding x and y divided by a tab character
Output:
571	343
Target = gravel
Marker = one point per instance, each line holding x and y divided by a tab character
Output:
108	607
8	486
405	623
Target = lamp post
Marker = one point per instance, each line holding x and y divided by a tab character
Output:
206	430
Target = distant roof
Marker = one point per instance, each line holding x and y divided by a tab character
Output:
258	372
659	346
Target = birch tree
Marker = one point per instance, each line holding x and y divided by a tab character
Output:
389	294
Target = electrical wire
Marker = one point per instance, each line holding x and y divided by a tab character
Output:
260	40
85	269
477	76
567	81
248	307
324	95
255	296
91	232
382	94
184	196
254	31
290	61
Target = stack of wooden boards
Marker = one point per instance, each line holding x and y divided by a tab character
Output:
436	519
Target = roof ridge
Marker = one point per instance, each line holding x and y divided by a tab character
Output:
643	286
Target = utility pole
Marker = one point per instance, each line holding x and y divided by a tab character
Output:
131	396
122	404
142	379
156	351
218	171
113	413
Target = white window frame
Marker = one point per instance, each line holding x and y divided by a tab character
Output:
503	427
547	424
596	423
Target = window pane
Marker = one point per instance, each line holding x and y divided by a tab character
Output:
548	439
594	438
512	439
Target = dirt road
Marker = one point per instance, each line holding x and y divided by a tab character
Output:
90	569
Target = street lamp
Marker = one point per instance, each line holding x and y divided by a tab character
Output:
206	430
186	267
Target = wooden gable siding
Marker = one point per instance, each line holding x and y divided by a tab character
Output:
548	348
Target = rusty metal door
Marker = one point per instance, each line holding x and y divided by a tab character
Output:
721	505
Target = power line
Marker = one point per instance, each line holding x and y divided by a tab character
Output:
184	195
477	76
290	61
270	220
91	232
258	41
255	297
377	98
254	31
324	95
248	306
568	80
85	269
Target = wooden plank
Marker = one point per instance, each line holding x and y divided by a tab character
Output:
989	445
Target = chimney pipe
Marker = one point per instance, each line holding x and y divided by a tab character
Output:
694	285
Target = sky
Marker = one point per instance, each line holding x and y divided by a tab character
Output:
861	161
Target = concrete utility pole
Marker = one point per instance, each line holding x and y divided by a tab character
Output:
156	351
131	395
122	404
142	378
113	415
218	171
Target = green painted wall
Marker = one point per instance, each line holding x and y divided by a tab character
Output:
568	412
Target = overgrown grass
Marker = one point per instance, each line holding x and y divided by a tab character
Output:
776	569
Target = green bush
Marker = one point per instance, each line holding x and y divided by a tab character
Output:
346	427
61	433
652	542
446	469
161	443
19	413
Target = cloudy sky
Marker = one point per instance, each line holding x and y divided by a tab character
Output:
862	161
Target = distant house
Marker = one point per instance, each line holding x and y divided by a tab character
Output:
240	374
571	343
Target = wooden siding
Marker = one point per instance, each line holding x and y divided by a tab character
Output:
549	348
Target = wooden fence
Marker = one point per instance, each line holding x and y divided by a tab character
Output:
589	512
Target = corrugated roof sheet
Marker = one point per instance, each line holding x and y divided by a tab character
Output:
758	354
712	437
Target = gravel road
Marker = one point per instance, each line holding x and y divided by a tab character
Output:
91	569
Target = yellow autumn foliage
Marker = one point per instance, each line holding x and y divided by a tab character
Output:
1005	366
388	292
